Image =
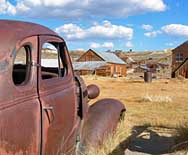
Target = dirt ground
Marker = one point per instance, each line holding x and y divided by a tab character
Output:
155	112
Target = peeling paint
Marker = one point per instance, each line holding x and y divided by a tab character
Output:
4	65
13	54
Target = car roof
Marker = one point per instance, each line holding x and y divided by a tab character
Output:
13	31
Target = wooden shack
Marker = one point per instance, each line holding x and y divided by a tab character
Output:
100	63
180	61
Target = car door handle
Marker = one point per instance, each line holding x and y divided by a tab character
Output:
49	110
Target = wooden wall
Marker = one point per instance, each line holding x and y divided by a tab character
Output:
89	56
112	69
84	72
108	70
180	49
183	71
118	69
103	71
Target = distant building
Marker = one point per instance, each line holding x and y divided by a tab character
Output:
180	60
100	63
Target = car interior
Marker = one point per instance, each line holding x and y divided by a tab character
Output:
22	67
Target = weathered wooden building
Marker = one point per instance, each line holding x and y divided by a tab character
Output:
100	63
180	61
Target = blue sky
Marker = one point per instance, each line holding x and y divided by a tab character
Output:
109	24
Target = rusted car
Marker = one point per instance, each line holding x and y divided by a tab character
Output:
44	106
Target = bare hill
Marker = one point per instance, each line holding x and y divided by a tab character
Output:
163	57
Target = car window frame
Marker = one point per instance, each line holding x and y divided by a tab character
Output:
28	49
61	55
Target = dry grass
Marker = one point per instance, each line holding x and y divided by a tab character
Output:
181	138
111	143
156	99
172	114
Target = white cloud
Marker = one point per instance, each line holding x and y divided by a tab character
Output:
74	9
169	44
7	8
104	31
71	31
80	49
152	34
129	44
178	30
108	45
147	27
95	45
103	45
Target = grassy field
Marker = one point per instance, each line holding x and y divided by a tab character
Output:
162	104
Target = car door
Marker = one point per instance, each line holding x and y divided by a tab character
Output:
58	97
19	105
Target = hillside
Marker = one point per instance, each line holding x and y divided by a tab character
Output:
155	56
75	54
147	56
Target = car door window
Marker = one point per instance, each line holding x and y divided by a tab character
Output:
52	61
22	66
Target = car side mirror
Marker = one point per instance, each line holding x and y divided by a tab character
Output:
93	91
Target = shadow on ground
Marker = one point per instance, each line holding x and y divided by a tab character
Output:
146	140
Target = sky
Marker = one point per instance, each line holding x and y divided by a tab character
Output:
107	24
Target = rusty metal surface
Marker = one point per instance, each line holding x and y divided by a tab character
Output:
19	110
93	91
148	76
103	118
60	120
13	31
41	117
83	96
20	107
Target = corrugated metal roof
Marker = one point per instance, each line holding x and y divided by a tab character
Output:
110	57
144	67
88	65
130	60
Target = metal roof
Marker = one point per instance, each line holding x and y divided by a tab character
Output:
109	57
88	65
130	60
144	67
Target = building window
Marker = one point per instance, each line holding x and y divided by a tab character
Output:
179	57
120	70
